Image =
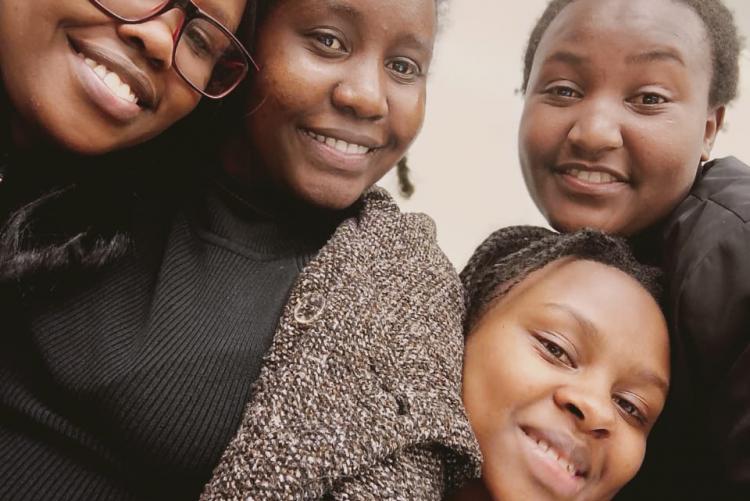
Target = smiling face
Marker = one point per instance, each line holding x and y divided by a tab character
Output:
563	379
77	77
616	118
343	89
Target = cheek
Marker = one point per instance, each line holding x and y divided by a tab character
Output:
494	381
667	164
625	459
295	82
540	134
407	110
182	100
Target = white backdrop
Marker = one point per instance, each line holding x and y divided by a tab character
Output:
465	164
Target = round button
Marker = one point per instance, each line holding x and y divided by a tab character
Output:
309	308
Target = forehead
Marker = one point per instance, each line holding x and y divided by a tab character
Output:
621	319
392	17
629	26
227	12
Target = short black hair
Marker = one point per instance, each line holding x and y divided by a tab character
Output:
508	255
726	45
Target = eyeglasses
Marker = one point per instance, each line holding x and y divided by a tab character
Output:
206	54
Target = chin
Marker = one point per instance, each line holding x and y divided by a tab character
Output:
336	196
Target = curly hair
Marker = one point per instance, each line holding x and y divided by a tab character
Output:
508	255
725	40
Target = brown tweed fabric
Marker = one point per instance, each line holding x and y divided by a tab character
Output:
359	396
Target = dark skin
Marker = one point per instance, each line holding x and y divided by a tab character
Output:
576	355
342	92
617	117
56	98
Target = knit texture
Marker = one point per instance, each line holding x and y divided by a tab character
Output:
359	396
131	381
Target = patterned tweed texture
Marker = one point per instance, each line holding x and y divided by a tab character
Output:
359	396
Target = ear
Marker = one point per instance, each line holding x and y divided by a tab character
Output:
714	122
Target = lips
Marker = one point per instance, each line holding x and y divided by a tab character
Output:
344	140
593	174
555	460
115	70
339	144
572	455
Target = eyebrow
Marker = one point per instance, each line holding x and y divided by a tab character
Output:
217	12
654	56
563	56
415	42
344	9
589	328
652	378
586	325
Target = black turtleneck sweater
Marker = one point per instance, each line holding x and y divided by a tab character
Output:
129	381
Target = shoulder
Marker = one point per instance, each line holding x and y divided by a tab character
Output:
382	237
725	184
714	219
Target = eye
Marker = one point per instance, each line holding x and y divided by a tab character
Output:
564	92
405	69
329	42
650	99
199	42
630	409
556	351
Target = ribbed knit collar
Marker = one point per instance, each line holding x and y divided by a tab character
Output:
266	223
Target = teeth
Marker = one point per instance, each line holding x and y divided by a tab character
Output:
339	145
112	81
594	177
549	452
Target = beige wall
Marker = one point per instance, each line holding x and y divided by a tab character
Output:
465	162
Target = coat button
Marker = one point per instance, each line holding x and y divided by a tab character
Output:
309	308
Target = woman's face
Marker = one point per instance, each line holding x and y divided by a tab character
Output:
616	118
79	78
563	379
342	86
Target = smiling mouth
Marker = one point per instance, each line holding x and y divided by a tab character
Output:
593	177
551	452
118	74
111	80
339	144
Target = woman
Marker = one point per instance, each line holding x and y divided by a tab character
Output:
81	79
567	364
359	392
286	325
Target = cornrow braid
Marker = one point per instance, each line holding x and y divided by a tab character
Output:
508	255
405	186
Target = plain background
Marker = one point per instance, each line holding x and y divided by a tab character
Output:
465	162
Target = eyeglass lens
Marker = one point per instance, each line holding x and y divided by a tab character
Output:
205	56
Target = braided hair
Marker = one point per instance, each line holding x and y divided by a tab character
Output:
508	255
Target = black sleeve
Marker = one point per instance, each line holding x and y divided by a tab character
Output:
713	320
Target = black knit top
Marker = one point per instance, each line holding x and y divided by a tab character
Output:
128	382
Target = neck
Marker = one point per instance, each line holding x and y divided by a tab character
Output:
242	176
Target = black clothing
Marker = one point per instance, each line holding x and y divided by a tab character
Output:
128	382
700	448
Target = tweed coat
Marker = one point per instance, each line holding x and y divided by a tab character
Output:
359	395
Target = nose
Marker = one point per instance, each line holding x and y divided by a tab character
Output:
154	38
592	410
596	130
362	91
